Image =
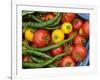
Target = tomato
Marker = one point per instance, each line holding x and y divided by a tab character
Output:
79	53
25	58
54	13
67	61
78	40
71	34
57	51
67	17
77	24
49	16
84	31
41	38
29	34
68	50
57	36
66	27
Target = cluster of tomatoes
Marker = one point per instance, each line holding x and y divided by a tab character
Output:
69	24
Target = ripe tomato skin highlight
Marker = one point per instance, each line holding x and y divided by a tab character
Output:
78	40
67	17
84	31
57	51
77	24
67	61
79	53
41	38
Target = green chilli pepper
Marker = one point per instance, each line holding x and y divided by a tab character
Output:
31	16
38	60
52	28
40	65
56	23
36	53
42	24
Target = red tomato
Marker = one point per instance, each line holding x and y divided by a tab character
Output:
57	51
25	58
79	53
68	50
70	34
67	61
43	18
77	24
84	31
78	40
67	17
41	38
49	16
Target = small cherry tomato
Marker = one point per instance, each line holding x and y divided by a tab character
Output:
41	38
79	40
67	17
77	24
67	61
79	53
56	51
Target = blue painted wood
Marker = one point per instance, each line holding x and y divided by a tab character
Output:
84	15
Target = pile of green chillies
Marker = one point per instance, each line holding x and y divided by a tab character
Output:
41	24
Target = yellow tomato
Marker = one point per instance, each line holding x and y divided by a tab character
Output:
29	35
66	27
57	36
